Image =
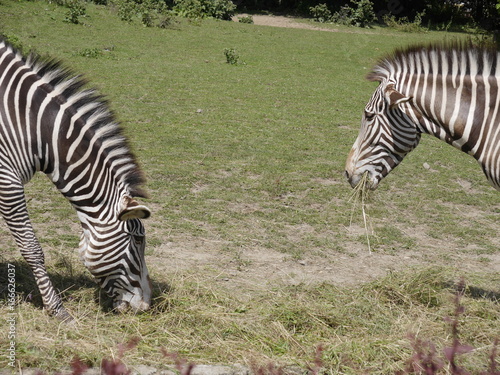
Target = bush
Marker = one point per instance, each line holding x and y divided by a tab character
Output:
232	56
343	16
362	15
219	9
321	13
149	12
126	9
189	8
403	24
76	10
166	20
246	19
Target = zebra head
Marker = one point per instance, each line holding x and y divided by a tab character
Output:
387	134
114	254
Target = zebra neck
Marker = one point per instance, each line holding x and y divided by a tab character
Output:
454	109
463	111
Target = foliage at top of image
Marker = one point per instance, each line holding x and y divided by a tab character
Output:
259	172
149	12
197	9
445	15
76	10
156	12
403	24
360	14
152	13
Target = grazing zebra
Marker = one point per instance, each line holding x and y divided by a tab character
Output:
451	91
49	123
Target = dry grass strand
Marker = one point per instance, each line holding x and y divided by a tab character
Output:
360	196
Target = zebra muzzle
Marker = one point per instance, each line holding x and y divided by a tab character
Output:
353	179
362	181
124	306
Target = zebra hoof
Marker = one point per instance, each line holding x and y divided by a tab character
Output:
64	317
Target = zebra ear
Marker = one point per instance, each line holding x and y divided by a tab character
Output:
131	209
394	97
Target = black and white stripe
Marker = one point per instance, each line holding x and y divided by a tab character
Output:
451	91
49	123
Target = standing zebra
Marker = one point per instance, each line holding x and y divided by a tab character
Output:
451	91
49	123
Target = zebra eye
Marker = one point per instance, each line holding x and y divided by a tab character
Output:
138	239
369	115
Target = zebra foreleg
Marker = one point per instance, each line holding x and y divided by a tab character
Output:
14	210
51	300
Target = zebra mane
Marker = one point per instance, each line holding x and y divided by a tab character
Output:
71	87
438	58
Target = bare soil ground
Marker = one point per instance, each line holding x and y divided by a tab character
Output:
281	21
257	268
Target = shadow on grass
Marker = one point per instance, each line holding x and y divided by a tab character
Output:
68	281
480	293
65	279
473	291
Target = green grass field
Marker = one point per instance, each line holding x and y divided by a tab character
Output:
255	251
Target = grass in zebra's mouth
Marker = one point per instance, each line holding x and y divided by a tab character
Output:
360	196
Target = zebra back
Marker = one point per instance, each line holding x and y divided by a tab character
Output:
59	144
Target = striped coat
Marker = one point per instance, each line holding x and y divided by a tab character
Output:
448	90
48	123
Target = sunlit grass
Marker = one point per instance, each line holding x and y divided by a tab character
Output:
249	158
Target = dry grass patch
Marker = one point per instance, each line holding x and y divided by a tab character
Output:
360	329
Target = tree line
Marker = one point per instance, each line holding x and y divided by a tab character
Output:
480	13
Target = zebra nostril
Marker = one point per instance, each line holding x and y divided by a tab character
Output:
144	306
346	174
122	306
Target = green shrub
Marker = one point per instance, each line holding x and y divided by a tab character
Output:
126	9
343	16
92	53
232	56
219	9
403	24
166	19
189	8
246	19
321	13
361	15
149	12
76	10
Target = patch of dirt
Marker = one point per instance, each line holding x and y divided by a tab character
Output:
281	21
256	268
